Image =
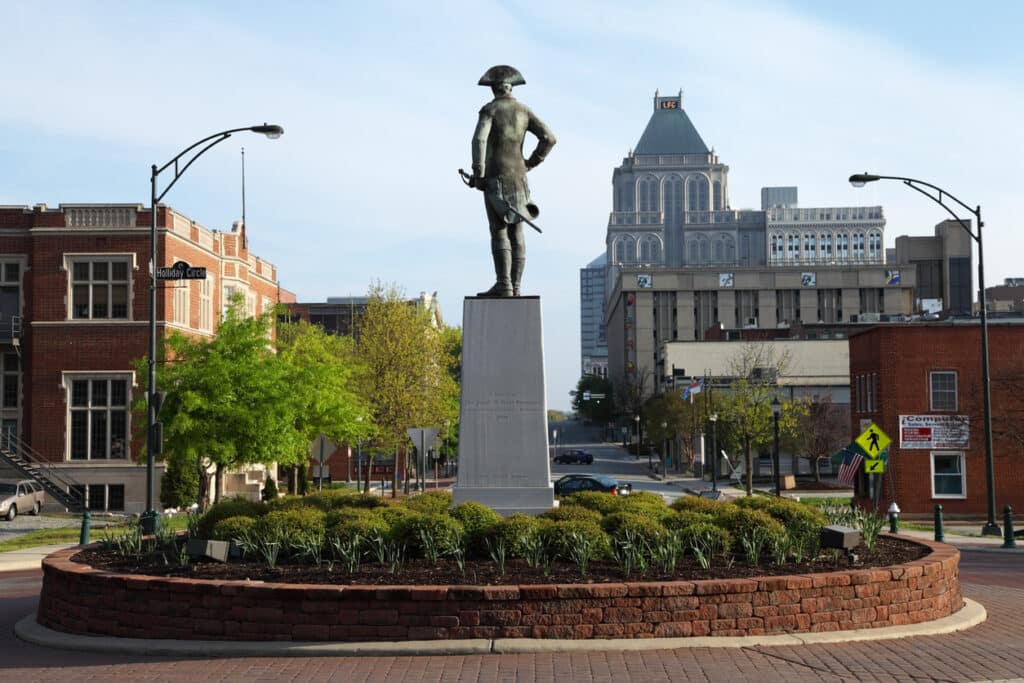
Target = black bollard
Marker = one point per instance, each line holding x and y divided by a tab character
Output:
939	537
1008	540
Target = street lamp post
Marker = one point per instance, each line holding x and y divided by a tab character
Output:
927	189
714	451
181	162
664	445
639	433
776	410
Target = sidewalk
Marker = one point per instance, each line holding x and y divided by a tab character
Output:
27	558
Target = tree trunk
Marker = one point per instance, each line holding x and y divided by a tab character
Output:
817	469
394	477
750	468
369	470
218	482
204	486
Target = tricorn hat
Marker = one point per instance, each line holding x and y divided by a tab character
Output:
502	74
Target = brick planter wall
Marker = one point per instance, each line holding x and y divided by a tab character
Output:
79	599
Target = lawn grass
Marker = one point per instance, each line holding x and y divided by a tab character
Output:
821	502
71	534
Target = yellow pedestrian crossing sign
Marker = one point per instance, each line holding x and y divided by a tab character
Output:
873	441
874	466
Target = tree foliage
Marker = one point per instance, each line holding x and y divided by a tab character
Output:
408	379
745	406
601	410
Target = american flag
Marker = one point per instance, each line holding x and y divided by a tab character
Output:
851	465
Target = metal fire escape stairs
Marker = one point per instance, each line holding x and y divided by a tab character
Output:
22	457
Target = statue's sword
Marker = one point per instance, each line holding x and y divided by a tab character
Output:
468	180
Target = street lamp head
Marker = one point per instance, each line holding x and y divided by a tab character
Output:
636	418
713	417
272	131
861	179
776	407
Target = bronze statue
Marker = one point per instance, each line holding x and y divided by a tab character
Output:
499	170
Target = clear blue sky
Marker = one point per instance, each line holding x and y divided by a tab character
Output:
379	103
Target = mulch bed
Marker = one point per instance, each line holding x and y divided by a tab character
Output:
886	552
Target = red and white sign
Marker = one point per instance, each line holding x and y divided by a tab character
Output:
929	432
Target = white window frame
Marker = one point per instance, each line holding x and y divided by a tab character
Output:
68	380
70	260
963	474
931	391
183	302
91	504
206	289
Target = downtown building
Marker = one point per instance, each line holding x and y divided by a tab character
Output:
684	266
74	319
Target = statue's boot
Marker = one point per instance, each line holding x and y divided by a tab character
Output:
518	264
502	271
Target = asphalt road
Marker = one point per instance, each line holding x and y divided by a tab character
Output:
989	652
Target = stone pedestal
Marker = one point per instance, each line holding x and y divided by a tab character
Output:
503	438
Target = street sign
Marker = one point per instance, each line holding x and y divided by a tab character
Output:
874	466
873	441
422	438
181	270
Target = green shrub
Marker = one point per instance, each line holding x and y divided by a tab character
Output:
558	538
287	502
741	522
513	529
396	516
788	512
684	518
419	532
697	504
361	500
346	524
572	513
478	520
231	507
643	528
270	491
290	523
595	500
230	528
430	502
331	499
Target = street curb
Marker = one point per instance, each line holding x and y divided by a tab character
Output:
27	629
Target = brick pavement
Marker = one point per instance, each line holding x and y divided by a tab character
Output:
991	651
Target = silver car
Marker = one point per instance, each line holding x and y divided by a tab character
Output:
22	495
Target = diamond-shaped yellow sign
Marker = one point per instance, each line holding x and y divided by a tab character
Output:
874	441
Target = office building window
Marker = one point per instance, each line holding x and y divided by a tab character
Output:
98	416
10	377
182	295
109	497
99	289
948	479
942	388
206	304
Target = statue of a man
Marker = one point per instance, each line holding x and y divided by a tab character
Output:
499	170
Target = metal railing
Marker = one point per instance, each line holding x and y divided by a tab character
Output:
28	461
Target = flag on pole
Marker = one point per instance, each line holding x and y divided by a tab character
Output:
850	466
695	388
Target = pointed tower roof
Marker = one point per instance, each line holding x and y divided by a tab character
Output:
670	130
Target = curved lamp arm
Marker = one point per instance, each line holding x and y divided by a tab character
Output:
271	131
860	179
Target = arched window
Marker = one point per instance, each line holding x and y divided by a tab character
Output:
717	195
645	250
694	252
697	191
874	244
673	200
705	249
647	192
620	251
628	246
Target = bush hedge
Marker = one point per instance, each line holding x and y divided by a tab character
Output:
230	528
478	520
433	502
572	513
231	507
617	523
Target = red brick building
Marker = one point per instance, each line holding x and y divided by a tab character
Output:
921	383
74	315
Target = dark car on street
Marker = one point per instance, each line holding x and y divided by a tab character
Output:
574	456
577	483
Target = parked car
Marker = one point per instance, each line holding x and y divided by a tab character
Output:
574	456
22	495
576	483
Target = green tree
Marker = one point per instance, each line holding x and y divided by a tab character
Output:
227	401
407	380
326	371
684	421
746	404
601	409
